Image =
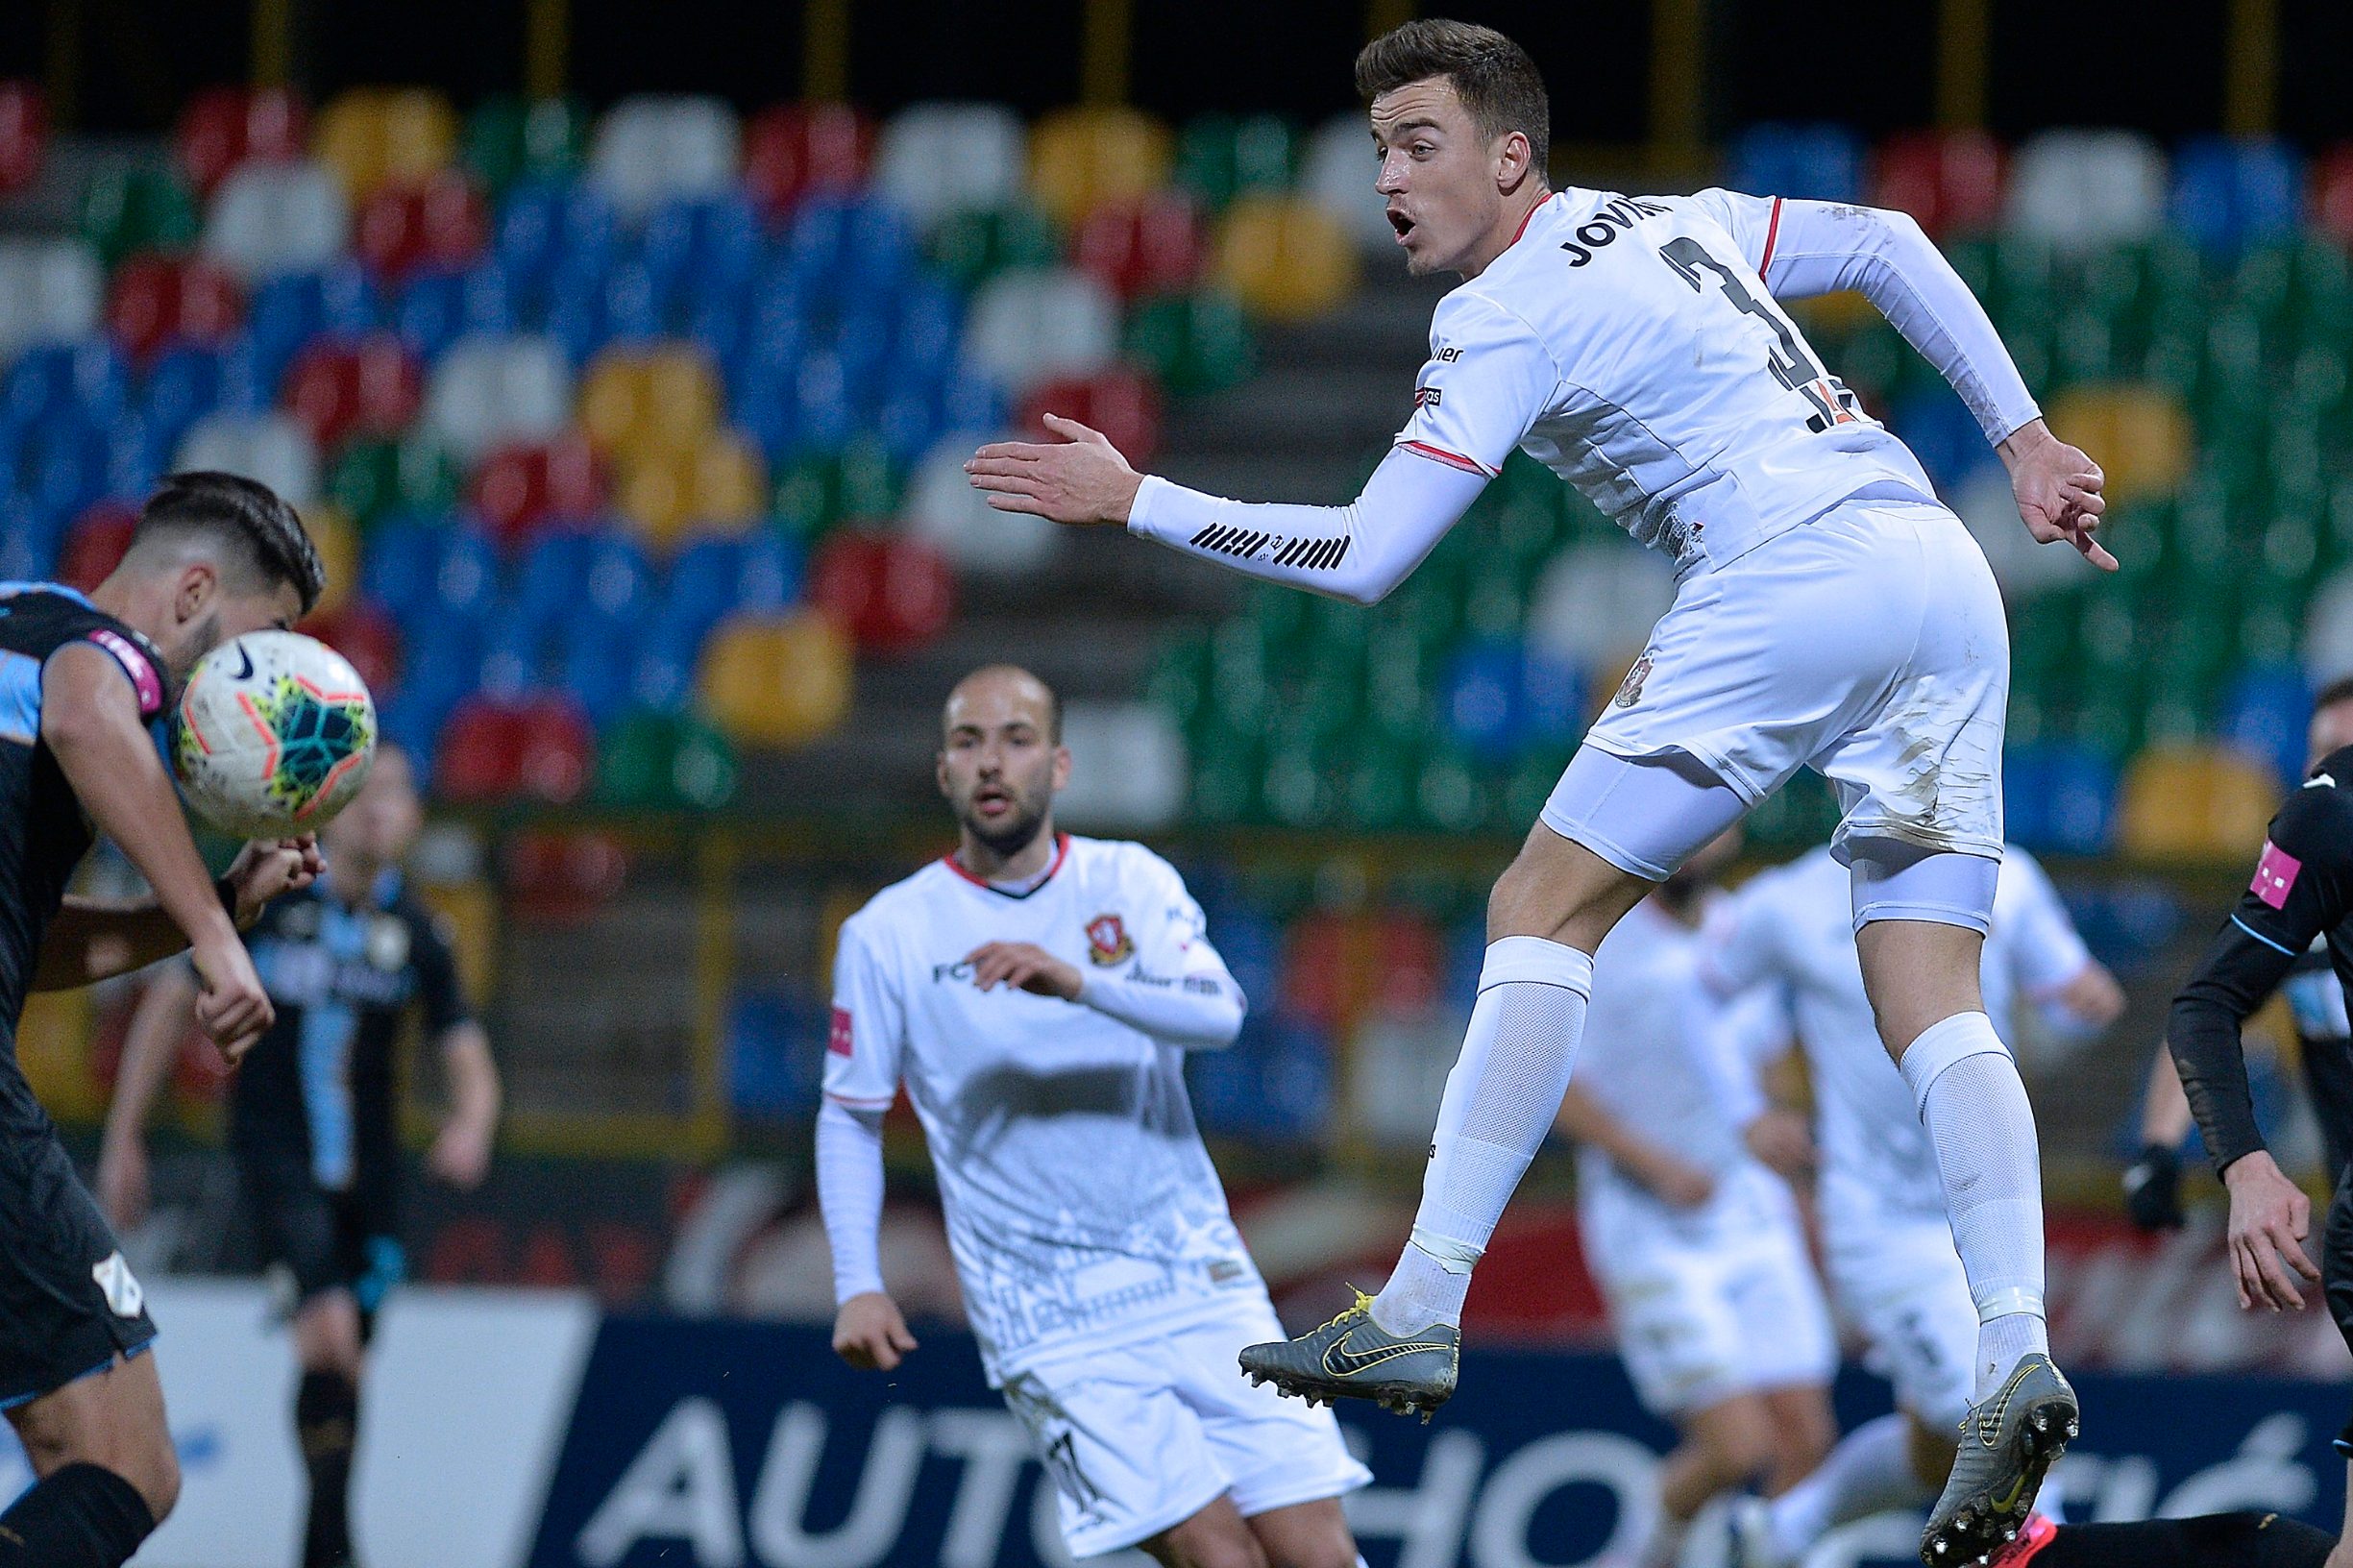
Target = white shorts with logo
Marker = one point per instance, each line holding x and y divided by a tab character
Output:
1140	1436
1870	643
1712	1301
1899	1281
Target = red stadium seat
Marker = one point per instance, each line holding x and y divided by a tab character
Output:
557	750
2332	193
1413	963
1950	180
793	149
1152	246
892	595
371	387
157	301
24	135
525	488
1314	981
224	128
1121	403
479	759
440	224
364	634
563	879
95	545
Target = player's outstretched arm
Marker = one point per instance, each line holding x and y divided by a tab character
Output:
91	724
165	1010
1816	248
92	940
1358	553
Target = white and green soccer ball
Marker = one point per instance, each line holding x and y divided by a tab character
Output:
273	735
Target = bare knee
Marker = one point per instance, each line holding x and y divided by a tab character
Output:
1561	891
113	1419
326	1335
1919	974
1215	1537
1306	1535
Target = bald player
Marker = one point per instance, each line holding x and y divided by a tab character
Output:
1035	994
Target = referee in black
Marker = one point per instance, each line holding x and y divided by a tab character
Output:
313	1113
81	680
2302	892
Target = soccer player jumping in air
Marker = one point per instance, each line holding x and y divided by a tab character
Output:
1829	613
213	557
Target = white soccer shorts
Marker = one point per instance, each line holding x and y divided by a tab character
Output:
1710	1303
1869	642
1140	1436
1901	1283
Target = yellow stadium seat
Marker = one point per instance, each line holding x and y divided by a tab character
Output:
657	496
718	485
469	912
1286	259
639	402
2139	434
729	484
53	1048
1082	156
337	539
772	683
369	135
2195	805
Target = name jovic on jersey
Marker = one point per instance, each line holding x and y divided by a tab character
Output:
1080	1203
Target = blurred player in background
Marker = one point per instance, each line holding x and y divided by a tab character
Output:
314	1112
1698	1247
2302	894
1886	1241
1830	612
1036	995
81	676
2324	1038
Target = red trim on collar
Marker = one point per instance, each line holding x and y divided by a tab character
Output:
1061	852
1773	232
1526	218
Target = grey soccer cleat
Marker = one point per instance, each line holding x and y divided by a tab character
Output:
1354	1357
2008	1443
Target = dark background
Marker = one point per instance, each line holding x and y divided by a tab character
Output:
2160	67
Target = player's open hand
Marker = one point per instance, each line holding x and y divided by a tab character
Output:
1026	967
2058	490
460	1155
1079	479
231	1008
2269	1217
1678	1183
870	1334
1781	1139
267	869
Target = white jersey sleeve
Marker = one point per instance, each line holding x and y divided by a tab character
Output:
1176	988
2040	944
866	1045
1802	249
1489	379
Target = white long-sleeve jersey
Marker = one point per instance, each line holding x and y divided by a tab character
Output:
1079	1200
1633	344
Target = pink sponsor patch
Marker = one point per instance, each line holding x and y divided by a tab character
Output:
2274	874
137	666
838	1041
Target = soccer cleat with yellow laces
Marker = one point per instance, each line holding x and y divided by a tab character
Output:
1354	1357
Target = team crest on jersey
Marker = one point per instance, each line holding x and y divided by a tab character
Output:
1108	942
1629	690
121	1288
387	942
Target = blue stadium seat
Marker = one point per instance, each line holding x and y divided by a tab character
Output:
1943	435
62	463
2264	713
550	581
909	424
88	377
139	455
2059	798
466	573
705	582
248	377
575	311
545	223
812	254
400	564
512	656
1553	697
2232	192
619	581
597	672
1480	702
1824	163
825	418
437	308
182	386
636	305
775	1053
29	539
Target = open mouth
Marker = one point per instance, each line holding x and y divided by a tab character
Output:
990	801
1402	224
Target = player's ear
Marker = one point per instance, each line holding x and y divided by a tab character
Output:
1062	767
1513	160
198	583
939	775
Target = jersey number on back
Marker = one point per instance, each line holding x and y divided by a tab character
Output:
1792	366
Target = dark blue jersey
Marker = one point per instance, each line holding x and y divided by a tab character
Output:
43	832
318	1088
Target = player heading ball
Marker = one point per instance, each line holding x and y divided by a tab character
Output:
1830	613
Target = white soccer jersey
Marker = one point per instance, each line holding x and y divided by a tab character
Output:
1630	344
1793	928
1664	1055
1079	1201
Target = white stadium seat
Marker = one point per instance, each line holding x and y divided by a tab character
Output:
1032	325
946	512
1595	604
487	390
51	291
936	161
1337	174
271	448
274	218
2086	189
1130	776
649	150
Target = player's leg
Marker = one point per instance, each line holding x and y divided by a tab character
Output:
1306	1535
1803	1433
1215	1537
327	1345
1721	1446
108	1472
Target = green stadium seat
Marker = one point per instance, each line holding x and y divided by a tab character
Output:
510	138
1194	344
973	247
126	211
1219	158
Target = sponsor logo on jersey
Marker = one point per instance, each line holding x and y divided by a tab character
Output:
1629	690
1429	397
2320	781
121	1288
2275	873
838	1038
1448	354
145	679
1606	225
1108	942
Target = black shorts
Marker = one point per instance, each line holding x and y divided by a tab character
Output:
316	1239
68	1304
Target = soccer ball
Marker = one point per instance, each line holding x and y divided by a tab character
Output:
273	735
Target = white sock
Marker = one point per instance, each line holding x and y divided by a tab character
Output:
1501	1099
1868	1472
1974	1107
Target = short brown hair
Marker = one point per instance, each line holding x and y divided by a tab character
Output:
1498	84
